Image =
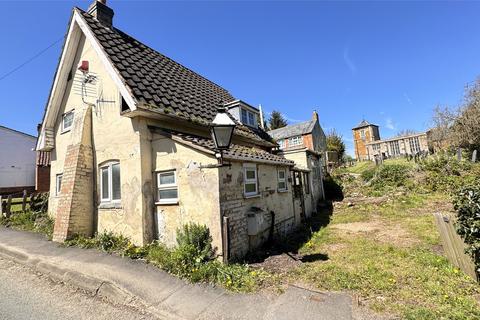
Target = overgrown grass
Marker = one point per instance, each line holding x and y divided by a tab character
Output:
184	261
402	275
30	221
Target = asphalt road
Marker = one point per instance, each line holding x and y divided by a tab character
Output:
25	295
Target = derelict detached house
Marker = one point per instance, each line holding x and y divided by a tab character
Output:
128	131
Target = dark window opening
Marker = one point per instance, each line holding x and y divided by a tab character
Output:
125	106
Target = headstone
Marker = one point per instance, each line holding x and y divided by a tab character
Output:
24	201
459	154
474	156
9	206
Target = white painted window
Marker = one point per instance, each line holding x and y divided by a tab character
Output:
281	143
362	134
248	117
110	186
251	181
414	145
167	187
295	141
282	180
58	183
67	121
394	148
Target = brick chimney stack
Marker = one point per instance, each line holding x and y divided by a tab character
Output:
100	11
315	115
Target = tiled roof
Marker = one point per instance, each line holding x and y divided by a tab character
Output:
236	152
364	123
292	130
160	84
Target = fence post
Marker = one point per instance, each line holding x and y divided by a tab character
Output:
24	201
1	206
9	205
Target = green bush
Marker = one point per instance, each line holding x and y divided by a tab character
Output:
467	205
389	176
447	174
368	174
195	240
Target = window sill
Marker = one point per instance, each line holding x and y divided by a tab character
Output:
65	131
282	191
251	196
110	205
163	203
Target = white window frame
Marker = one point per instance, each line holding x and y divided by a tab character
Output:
66	129
295	141
169	186
250	167
280	180
58	186
281	143
109	199
248	113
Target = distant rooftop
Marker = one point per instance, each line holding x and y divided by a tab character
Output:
364	123
292	130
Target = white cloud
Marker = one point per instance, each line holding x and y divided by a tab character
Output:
389	124
348	61
408	99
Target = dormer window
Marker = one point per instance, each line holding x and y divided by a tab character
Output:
248	117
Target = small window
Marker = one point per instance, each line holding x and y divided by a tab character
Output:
110	186
281	144
58	185
294	141
67	121
244	116
167	187
282	180
251	181
362	134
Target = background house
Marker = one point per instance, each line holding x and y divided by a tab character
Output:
17	161
305	144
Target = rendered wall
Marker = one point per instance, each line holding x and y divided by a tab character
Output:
17	160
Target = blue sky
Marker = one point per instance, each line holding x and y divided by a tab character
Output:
387	62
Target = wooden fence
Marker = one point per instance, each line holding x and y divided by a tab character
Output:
453	245
10	204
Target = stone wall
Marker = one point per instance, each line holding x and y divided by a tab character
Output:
235	205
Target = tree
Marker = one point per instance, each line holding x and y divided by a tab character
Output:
466	125
441	132
335	143
406	132
276	121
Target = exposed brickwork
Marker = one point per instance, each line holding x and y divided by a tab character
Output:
74	216
75	206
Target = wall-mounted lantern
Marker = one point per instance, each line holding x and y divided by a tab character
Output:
221	130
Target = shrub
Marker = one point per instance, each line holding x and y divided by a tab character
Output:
467	205
368	174
195	240
390	176
446	173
